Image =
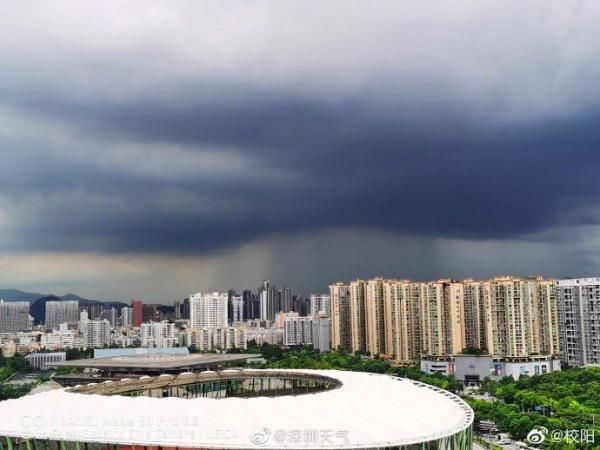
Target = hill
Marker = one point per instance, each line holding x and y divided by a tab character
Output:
14	295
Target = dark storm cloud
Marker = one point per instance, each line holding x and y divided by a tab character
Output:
363	129
434	172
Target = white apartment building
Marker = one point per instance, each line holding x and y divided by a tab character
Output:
158	334
320	305
210	339
58	312
96	333
14	316
297	331
83	318
579	319
208	310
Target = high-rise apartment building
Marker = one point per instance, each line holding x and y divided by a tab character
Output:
150	313
83	318
57	312
475	315
297	331
251	305
208	339
579	315
321	333
286	299
237	308
269	301
357	315
138	312
400	328
301	305
374	317
453	328
523	316
341	332
126	318
96	333
110	315
182	309
510	317
320	305
14	316
208	310
548	317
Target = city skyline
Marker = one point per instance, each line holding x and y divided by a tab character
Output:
210	146
257	288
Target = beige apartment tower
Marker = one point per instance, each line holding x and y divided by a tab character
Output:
375	331
521	316
400	329
341	326
357	315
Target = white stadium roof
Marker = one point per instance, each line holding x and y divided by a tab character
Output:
367	411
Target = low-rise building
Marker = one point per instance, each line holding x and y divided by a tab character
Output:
44	360
473	369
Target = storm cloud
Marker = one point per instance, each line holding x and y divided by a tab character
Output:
218	130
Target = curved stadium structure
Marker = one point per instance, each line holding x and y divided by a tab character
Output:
240	409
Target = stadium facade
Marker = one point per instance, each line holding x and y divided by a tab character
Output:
240	409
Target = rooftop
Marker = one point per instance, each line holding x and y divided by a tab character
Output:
363	410
157	362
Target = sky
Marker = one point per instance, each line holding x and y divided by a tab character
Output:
153	149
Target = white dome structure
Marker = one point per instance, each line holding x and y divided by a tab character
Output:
250	409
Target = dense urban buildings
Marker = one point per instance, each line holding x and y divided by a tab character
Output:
511	317
522	323
206	321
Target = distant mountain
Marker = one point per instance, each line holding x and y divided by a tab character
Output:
72	297
14	295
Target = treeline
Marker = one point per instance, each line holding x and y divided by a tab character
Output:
307	357
10	366
567	400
